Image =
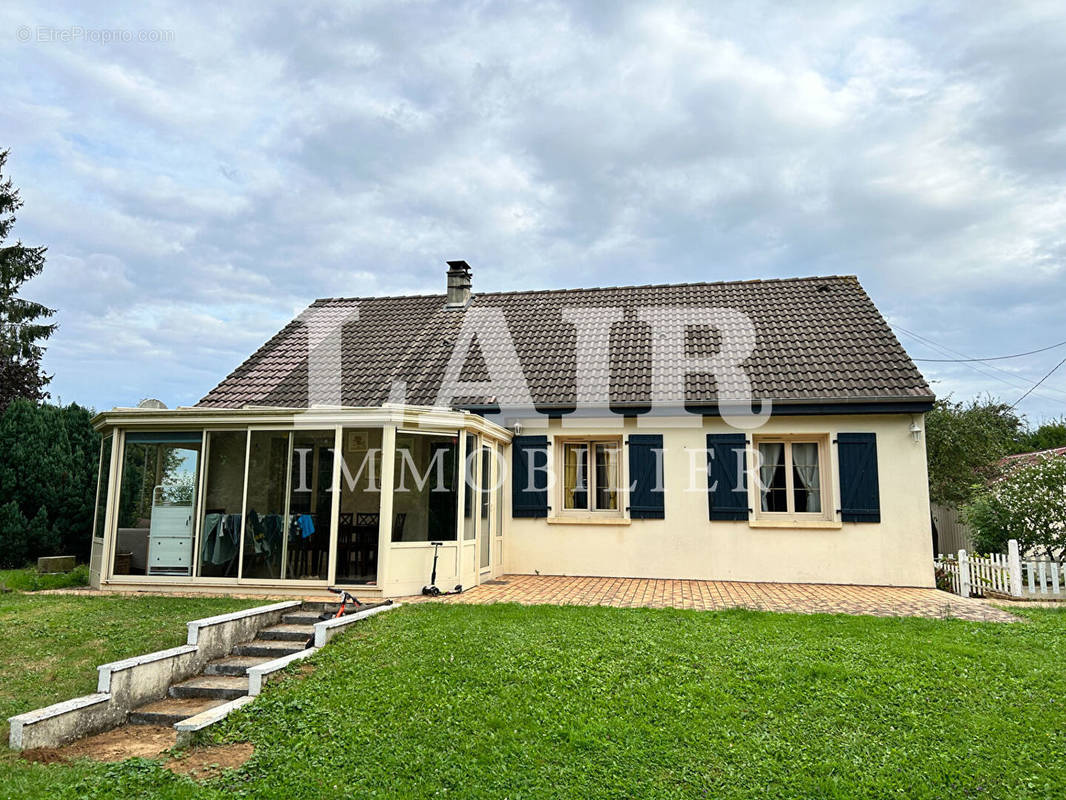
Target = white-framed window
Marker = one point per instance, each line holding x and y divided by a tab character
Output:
792	476
590	473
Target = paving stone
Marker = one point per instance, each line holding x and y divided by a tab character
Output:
796	598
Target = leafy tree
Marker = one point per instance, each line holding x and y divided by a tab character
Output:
965	443
1048	436
21	321
1028	504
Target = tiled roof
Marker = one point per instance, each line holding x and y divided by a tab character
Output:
817	339
1030	458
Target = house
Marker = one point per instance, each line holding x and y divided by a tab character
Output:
749	431
1020	459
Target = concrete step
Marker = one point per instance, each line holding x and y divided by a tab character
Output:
310	607
216	687
233	665
171	711
314	608
369	594
287	633
302	618
268	648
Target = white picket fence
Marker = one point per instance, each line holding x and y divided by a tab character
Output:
1010	574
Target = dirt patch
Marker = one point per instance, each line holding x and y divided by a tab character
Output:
129	741
147	741
205	763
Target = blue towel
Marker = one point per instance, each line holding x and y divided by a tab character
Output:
307	525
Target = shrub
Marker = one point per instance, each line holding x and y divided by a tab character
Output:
1028	504
943	580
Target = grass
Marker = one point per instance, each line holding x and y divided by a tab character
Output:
50	645
508	701
29	580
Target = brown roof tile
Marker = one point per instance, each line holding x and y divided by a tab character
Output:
817	339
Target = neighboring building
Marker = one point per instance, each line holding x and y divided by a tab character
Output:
1008	462
950	531
602	447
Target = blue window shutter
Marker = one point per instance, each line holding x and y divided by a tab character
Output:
859	494
529	454
725	499
646	477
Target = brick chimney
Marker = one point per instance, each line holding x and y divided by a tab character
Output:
459	283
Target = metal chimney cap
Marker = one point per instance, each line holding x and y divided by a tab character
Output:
458	266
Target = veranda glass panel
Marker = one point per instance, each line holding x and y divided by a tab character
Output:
501	471
486	495
220	536
265	528
102	486
426	487
470	486
357	532
310	506
157	504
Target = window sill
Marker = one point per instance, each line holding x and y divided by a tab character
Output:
587	520
795	522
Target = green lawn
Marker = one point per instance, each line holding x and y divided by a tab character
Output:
50	645
29	580
507	701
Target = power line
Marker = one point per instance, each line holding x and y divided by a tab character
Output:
993	358
1039	382
975	368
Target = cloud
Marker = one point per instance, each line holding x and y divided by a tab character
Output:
194	193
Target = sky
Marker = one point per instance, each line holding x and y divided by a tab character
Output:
200	174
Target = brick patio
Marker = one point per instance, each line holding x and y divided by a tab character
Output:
801	598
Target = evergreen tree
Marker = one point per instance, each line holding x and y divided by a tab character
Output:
48	467
14	536
41	539
71	514
22	326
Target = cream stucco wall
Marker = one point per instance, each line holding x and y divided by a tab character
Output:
686	544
